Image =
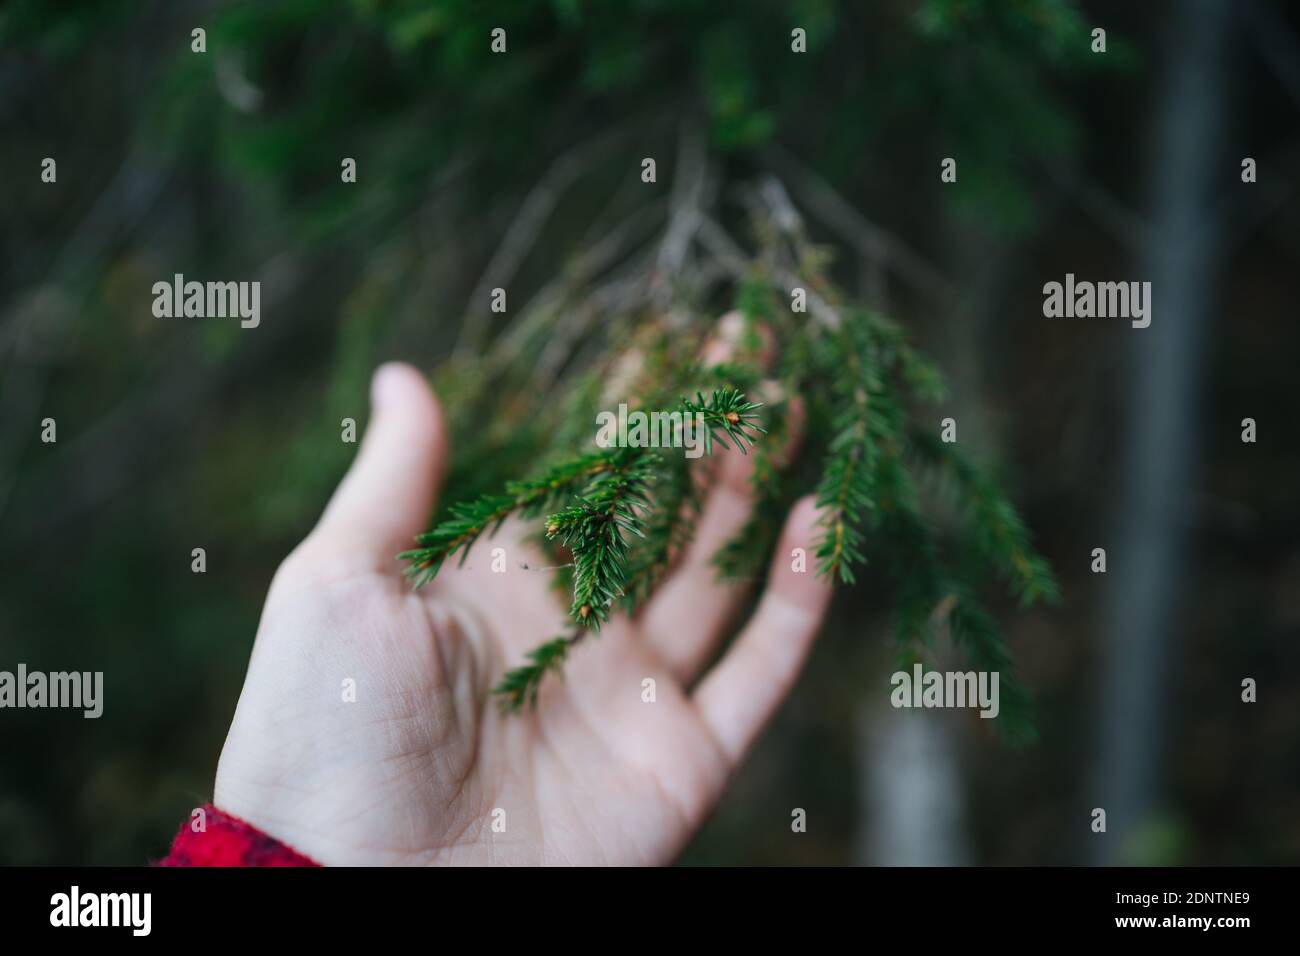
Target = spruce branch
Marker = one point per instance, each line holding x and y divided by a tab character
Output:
520	685
610	507
928	594
846	491
594	530
727	411
745	555
916	570
666	533
485	514
613	521
973	629
996	530
916	372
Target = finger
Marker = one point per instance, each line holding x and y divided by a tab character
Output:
736	698
687	614
386	497
729	340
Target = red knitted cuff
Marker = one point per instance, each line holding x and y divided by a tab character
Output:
229	841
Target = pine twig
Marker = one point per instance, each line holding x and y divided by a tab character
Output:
484	515
594	530
521	685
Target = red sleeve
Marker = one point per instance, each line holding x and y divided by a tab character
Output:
229	841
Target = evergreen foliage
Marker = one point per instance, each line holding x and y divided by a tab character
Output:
620	537
616	518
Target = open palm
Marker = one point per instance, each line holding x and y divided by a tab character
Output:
367	732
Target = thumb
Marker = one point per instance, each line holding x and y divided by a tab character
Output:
386	497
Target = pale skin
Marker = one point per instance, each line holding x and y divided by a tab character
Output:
420	766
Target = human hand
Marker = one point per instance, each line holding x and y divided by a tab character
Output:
420	765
